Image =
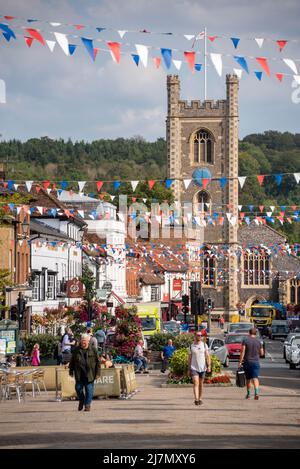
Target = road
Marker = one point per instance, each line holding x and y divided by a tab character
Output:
274	371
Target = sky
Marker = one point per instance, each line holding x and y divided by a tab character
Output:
51	94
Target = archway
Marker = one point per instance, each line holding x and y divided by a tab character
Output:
252	300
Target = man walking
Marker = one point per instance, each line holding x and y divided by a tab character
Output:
250	353
166	354
199	363
85	365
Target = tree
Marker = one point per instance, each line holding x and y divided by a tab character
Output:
88	281
128	331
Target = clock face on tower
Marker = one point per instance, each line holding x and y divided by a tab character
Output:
199	174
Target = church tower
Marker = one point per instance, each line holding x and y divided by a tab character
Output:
202	145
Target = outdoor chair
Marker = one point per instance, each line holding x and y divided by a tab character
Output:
39	377
14	382
31	379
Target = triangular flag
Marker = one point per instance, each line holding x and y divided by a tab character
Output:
258	75
242	62
96	50
297	177
212	38
189	36
28	41
136	59
99	185
36	35
51	45
167	56
259	41
186	183
282	44
238	72
242	180
198	67
55	24
80	213
177	64
157	61
46	184
115	51
7	32
28	185
240	207
100	29
144	200
40	209
290	63
235	41
272	207
190	57
134	185
72	48
168	183
251	207
112	197
217	61
63	42
205	182
261	208
297	79
264	64
269	214
122	33
223	182
278	179
78	26
81	185
116	185
260	178
143	53
279	76
151	183
88	44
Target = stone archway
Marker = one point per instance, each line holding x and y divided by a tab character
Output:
252	299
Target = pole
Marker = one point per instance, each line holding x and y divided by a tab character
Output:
170	306
205	65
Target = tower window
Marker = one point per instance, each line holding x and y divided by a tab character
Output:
202	202
203	147
256	268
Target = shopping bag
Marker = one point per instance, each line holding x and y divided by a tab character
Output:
240	378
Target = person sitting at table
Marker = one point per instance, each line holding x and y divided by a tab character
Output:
139	359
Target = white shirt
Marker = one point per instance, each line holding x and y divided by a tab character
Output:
198	362
66	344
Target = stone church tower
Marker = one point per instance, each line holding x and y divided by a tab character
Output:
202	145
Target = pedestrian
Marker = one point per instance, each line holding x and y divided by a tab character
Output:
85	367
66	345
94	340
251	352
222	322
58	354
166	354
199	363
35	360
139	359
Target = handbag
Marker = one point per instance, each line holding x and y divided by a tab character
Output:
240	378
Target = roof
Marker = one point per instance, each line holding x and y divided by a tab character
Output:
70	196
151	279
39	227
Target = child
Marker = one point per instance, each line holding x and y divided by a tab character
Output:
36	355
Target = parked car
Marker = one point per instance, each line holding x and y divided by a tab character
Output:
258	335
294	353
294	345
279	329
217	347
287	345
172	327
233	326
234	341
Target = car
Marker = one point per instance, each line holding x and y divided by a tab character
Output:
292	347
258	335
216	346
171	327
294	353
233	326
287	345
234	341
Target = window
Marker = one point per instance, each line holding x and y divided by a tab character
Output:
155	296
36	288
51	287
256	268
294	287
203	147
202	202
209	270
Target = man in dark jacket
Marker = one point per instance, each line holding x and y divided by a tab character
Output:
85	366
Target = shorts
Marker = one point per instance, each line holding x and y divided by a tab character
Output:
200	374
251	369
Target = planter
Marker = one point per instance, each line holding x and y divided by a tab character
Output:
215	381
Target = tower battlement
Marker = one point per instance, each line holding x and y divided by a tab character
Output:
208	106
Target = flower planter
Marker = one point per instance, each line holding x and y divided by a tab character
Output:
219	380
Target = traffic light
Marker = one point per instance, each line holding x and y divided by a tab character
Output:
209	303
195	296
185	305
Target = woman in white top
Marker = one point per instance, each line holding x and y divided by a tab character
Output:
198	359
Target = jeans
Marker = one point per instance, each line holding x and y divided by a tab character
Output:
89	391
165	364
139	361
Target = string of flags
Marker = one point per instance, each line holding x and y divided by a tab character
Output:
235	41
166	54
200	181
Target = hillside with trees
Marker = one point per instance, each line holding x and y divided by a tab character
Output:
268	153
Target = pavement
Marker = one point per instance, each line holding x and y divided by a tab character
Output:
157	418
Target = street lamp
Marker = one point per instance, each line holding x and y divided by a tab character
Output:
25	228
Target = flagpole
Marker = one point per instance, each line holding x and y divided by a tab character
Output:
205	50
